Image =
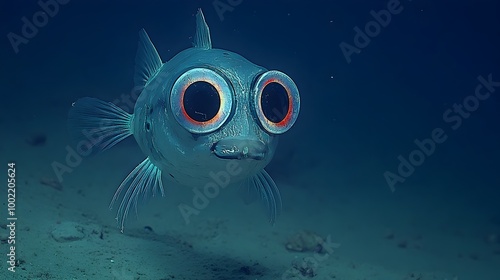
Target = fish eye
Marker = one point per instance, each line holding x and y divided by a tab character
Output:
201	100
276	101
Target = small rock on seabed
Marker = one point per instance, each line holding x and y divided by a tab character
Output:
68	231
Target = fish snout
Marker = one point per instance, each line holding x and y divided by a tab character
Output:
240	148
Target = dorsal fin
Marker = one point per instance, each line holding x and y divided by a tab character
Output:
202	35
147	60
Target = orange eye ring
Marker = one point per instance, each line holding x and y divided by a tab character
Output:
201	100
276	101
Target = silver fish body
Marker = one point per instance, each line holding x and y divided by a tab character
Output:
173	148
204	111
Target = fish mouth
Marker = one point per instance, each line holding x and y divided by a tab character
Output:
240	148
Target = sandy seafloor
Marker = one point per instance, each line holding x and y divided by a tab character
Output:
230	240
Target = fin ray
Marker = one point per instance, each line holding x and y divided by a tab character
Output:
202	36
145	178
262	186
147	60
100	123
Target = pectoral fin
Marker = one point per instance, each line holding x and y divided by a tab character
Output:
98	123
262	186
144	179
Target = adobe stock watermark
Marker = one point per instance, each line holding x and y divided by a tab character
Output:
372	29
220	180
201	198
454	118
93	137
307	267
75	155
30	27
223	6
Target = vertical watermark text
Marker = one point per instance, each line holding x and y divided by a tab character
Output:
11	216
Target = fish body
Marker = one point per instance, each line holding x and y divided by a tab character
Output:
182	152
205	111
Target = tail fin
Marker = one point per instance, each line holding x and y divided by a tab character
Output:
101	124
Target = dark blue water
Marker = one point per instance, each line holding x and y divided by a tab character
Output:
367	94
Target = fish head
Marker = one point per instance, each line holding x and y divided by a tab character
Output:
228	109
206	109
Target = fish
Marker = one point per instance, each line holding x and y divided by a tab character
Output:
206	118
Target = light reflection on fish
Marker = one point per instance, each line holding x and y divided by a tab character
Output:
204	111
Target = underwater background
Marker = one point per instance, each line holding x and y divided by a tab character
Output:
390	172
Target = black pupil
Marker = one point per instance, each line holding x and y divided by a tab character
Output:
274	102
201	101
